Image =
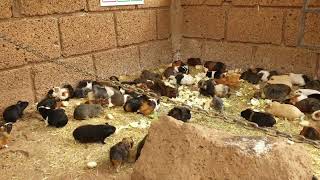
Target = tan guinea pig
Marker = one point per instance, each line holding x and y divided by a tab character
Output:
281	79
284	110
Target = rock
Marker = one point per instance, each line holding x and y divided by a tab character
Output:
92	164
176	150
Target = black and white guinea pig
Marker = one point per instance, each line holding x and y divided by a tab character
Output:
61	93
260	118
50	103
299	79
182	79
86	111
183	69
214	74
180	113
100	92
207	87
265	75
306	92
54	117
93	133
14	112
120	152
116	97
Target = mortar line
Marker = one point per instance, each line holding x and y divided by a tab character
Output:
33	83
284	22
60	38
139	55
157	30
116	28
302	24
95	66
317	68
77	13
226	19
87	4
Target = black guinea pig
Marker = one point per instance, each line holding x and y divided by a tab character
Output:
260	118
114	78
308	105
314	84
93	133
194	61
14	112
251	76
183	69
50	103
276	92
81	92
120	152
206	88
140	146
54	117
180	113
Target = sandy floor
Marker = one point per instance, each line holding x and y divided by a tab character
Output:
39	152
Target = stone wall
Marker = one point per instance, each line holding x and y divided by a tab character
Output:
264	33
48	43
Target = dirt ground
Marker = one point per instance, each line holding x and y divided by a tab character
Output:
39	152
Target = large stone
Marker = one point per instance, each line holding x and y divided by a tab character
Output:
176	150
312	29
291	27
87	33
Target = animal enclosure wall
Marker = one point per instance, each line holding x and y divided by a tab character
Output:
48	43
44	43
273	34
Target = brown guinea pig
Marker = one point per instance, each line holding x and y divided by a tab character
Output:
148	106
170	71
5	134
309	132
120	152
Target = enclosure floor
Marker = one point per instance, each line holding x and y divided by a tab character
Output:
40	152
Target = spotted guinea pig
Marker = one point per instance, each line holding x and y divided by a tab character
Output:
180	113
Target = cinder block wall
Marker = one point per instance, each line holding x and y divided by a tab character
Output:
46	43
262	33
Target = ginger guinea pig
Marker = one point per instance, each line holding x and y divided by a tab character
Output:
284	110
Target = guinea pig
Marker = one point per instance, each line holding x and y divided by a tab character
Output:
194	61
309	132
299	79
265	75
232	80
215	66
222	90
120	152
160	88
316	115
207	88
63	94
54	117
81	92
134	104
93	133
306	92
284	110
148	106
308	105
148	75
116	98
217	103
280	79
14	112
314	84
315	96
86	111
51	103
5	131
276	92
114	78
251	76
214	74
184	79
260	118
170	71
100	92
180	113
140	146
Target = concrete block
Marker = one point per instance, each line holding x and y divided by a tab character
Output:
5	9
87	33
312	29
163	23
191	48
136	26
291	31
155	53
